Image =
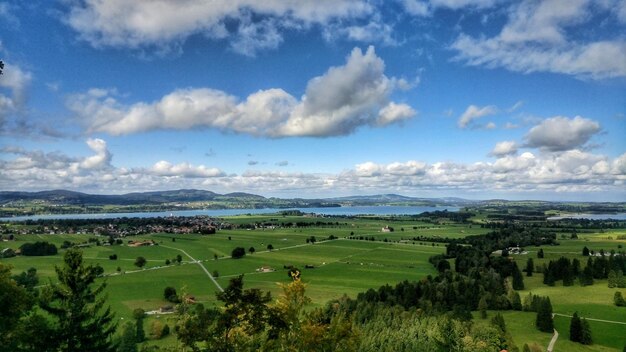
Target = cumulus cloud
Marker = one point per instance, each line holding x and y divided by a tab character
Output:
538	37
427	7
101	159
14	84
561	133
336	103
164	24
165	168
569	171
504	148
473	112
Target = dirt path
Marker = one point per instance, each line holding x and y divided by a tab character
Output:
600	320
201	266
553	341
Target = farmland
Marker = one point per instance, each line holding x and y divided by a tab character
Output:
347	256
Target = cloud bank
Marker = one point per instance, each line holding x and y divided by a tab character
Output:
336	103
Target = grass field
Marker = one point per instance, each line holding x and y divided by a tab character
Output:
341	266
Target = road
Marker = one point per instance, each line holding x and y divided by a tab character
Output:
201	266
553	341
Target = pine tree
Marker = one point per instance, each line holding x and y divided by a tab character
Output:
585	337
586	277
612	279
498	321
544	316
575	328
530	266
618	299
128	341
518	279
540	253
585	251
482	307
81	323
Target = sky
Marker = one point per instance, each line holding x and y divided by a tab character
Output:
477	99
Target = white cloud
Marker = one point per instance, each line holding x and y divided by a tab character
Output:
102	157
537	37
561	133
393	113
375	31
165	168
336	103
504	148
166	23
14	84
570	171
473	113
427	7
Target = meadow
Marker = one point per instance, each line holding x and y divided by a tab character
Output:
337	267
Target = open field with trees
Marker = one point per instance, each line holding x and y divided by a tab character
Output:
355	257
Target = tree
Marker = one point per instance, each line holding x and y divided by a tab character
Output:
16	302
586	278
515	300
167	262
612	279
585	251
540	253
518	280
530	266
251	250
618	299
544	321
586	338
575	328
238	252
128	340
498	321
482	307
140	262
138	315
27	279
82	323
169	293
270	247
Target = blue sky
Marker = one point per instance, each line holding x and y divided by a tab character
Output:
469	98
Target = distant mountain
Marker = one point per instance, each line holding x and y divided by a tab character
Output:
64	197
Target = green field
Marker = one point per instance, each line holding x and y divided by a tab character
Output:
340	266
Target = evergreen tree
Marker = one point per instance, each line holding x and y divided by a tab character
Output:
544	316
498	321
518	279
127	341
530	266
620	279
548	275
515	299
81	324
585	251
618	299
586	277
575	328
612	279
140	334
585	337
482	307
540	253
576	267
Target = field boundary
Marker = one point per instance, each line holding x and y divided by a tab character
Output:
593	319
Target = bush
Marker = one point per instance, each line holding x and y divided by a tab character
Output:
113	257
169	293
38	249
238	252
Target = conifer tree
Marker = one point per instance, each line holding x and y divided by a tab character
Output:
518	279
540	253
544	315
585	337
575	328
530	266
82	323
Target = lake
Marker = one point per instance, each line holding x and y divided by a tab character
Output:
356	210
